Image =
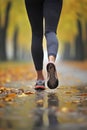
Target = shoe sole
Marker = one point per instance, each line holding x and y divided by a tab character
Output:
39	87
53	81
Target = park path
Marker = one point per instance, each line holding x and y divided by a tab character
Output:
73	73
22	108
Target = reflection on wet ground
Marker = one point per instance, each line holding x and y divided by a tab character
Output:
62	109
50	111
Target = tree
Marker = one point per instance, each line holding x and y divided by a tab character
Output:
79	46
66	54
85	44
3	31
15	42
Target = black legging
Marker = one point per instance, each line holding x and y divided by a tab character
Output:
50	10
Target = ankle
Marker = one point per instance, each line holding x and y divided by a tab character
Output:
51	59
40	75
40	78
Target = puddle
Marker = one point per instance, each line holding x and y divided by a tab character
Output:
62	109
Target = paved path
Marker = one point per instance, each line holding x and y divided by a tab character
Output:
62	109
72	75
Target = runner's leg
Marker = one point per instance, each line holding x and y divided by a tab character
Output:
52	10
35	13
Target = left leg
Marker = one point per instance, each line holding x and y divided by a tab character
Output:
52	10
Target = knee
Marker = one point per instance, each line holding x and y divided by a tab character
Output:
37	38
37	34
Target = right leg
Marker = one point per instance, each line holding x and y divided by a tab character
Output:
35	14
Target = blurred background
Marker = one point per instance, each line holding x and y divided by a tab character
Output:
15	31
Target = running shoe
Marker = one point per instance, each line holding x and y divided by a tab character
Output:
52	82
40	85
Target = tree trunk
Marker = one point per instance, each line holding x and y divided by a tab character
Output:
15	42
66	55
3	31
79	46
86	41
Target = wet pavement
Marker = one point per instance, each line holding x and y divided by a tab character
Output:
64	108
